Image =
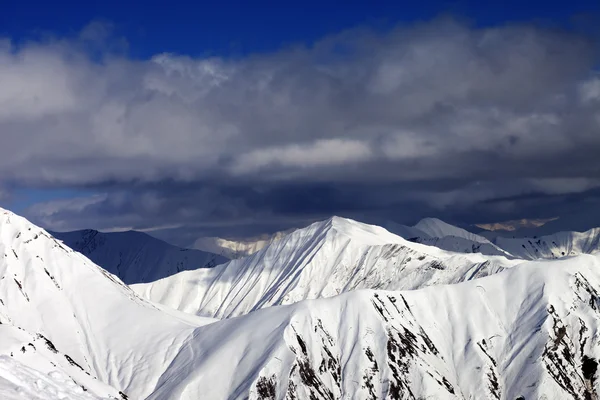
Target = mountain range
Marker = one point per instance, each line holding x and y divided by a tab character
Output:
336	310
435	232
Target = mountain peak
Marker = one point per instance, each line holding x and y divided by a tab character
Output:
324	259
341	224
357	231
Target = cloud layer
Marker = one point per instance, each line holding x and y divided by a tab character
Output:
438	117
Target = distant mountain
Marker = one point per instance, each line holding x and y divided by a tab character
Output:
136	257
322	260
580	221
437	228
561	244
233	249
516	224
435	232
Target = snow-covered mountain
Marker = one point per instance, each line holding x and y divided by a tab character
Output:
62	315
561	244
530	332
322	260
71	330
135	256
233	249
437	228
435	232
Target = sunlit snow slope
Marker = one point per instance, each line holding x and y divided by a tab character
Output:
529	332
79	317
322	260
32	367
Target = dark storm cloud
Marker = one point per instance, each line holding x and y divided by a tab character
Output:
434	119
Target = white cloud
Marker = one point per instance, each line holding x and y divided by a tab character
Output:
321	153
590	90
36	83
409	145
427	110
433	91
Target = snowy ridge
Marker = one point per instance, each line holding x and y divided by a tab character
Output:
561	244
136	257
530	332
322	260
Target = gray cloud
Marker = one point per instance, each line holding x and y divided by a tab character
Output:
438	117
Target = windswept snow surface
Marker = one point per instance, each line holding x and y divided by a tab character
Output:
136	257
322	260
31	367
19	382
530	332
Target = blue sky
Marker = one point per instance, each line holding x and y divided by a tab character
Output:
235	28
241	118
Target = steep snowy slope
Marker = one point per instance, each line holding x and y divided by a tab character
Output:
89	317
322	260
136	257
530	332
434	232
558	245
233	249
